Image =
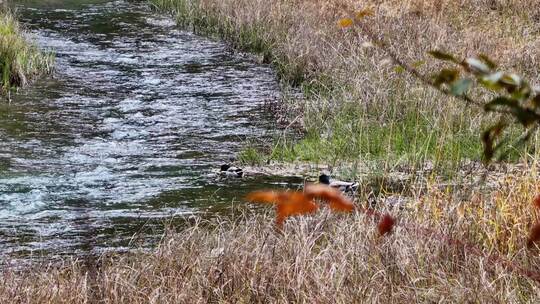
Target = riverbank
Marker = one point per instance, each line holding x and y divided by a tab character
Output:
442	248
20	59
356	104
453	244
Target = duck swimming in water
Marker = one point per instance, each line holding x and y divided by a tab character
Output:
230	171
345	187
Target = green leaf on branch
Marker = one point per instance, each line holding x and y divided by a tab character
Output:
461	86
526	116
512	79
446	76
523	115
518	103
443	56
489	138
521	141
500	101
511	82
523	93
476	66
536	101
490	63
491	81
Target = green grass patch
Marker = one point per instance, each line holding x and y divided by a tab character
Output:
412	139
20	59
384	118
252	156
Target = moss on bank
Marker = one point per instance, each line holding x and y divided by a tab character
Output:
20	59
356	105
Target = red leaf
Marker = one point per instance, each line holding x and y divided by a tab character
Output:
537	201
534	235
386	224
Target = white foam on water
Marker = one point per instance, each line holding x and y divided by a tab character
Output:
137	115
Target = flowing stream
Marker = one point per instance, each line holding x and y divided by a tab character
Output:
125	135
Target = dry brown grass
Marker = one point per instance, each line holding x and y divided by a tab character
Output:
325	258
353	90
328	258
305	33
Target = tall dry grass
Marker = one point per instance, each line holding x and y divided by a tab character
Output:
356	104
324	258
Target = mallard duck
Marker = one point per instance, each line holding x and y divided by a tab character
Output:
345	187
230	171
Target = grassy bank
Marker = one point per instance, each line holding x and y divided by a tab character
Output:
20	59
453	243
327	258
356	105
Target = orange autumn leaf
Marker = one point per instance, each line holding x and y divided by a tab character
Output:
291	203
534	235
335	199
295	203
270	197
364	13
345	22
287	203
386	224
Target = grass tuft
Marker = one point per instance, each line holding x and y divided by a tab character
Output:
20	59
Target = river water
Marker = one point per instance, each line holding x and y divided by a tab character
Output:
124	136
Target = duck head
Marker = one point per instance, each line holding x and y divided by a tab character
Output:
225	167
324	179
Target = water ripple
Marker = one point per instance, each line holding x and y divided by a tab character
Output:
137	115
